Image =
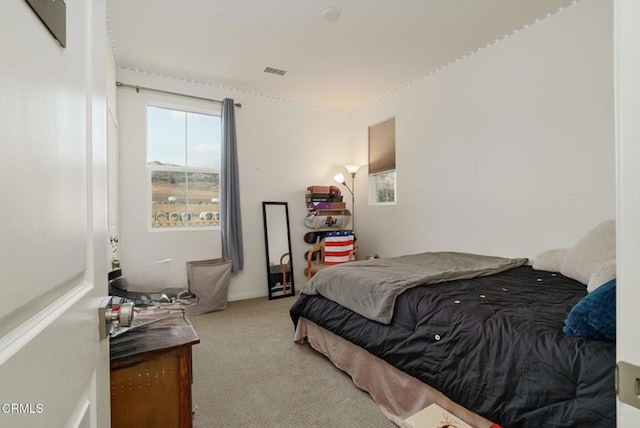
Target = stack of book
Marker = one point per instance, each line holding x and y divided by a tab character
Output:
324	198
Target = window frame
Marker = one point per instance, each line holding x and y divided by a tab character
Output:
151	168
373	189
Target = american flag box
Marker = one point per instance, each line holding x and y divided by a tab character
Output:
337	247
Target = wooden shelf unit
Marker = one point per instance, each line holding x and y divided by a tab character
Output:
151	372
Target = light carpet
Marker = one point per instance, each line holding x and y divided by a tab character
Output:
248	373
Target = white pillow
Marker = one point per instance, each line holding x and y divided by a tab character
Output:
595	248
603	274
551	260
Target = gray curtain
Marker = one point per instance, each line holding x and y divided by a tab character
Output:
231	223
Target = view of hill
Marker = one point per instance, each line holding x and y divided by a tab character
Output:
193	196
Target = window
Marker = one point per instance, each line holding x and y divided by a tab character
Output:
183	162
382	162
384	187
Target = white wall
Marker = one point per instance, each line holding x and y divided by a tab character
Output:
282	148
507	152
112	102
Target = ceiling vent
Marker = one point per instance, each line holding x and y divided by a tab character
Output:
275	71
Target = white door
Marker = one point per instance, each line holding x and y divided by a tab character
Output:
627	70
53	368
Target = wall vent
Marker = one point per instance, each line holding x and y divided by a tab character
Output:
275	71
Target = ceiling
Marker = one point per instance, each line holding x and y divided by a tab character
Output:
372	49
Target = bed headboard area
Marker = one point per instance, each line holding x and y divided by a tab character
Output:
592	260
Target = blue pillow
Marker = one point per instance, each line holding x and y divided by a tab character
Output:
594	316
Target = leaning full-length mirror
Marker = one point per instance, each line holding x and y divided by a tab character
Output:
278	247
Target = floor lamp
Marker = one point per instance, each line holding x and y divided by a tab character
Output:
352	169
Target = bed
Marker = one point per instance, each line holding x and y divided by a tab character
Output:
486	345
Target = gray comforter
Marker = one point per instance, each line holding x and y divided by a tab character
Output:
370	287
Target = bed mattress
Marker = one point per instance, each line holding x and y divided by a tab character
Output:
492	344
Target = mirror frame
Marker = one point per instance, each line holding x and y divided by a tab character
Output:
275	277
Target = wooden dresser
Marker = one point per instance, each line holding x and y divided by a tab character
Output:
151	372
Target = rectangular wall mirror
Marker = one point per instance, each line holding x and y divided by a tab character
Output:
277	241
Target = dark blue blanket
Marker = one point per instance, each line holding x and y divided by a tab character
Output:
494	345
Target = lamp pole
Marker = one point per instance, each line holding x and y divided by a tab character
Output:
339	178
353	170
353	203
